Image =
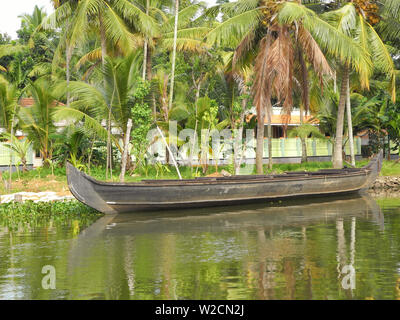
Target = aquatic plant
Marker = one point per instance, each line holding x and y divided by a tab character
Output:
28	215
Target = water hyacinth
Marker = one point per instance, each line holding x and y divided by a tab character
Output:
65	214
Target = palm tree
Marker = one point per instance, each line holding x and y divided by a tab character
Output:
273	32
37	121
352	21
34	20
304	131
111	99
20	147
9	96
111	20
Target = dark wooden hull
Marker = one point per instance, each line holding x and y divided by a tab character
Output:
167	194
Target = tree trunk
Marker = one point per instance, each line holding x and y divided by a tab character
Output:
195	129
23	162
306	103
144	60
169	150
260	141
303	140
338	153
68	55
90	154
145	48
103	41
171	94
269	133
349	123
149	76
126	151
109	147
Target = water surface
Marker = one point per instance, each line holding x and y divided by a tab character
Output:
286	250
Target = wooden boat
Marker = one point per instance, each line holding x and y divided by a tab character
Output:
111	197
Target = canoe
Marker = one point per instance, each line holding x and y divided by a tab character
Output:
111	197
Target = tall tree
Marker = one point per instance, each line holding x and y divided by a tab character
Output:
271	31
353	21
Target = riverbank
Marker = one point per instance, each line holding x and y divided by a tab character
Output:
386	185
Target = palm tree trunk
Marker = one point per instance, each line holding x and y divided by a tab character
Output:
144	60
171	94
269	134
103	39
103	42
260	141
149	76
68	55
303	139
149	61
192	149
23	162
126	151
306	103
338	153
11	151
90	154
145	48
109	147
350	124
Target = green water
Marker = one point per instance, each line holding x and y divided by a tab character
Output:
291	250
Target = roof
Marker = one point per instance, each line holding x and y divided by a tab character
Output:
29	102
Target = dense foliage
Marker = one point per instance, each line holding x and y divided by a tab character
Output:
96	64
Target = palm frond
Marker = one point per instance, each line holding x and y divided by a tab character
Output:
232	31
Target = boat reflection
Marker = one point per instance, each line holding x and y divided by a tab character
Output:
266	249
266	216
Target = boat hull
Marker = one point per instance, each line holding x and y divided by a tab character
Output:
169	194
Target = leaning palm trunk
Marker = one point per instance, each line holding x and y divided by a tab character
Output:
103	57
171	95
350	124
338	152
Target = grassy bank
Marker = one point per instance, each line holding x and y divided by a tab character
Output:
44	180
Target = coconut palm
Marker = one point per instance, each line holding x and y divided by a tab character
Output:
161	37
37	121
275	35
20	147
304	131
111	100
354	21
9	96
111	20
